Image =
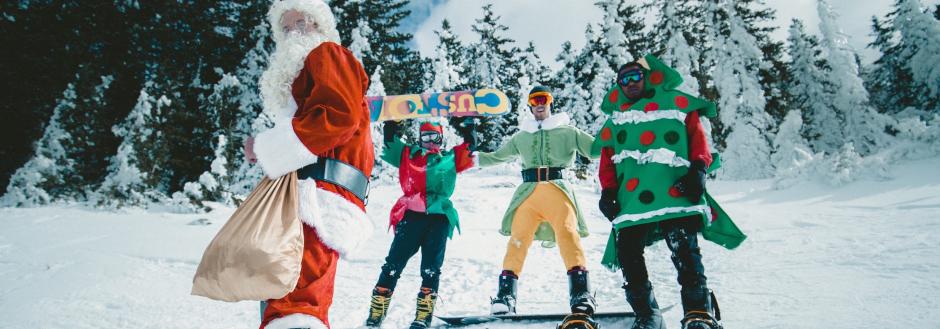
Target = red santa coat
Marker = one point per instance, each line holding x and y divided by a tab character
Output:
331	120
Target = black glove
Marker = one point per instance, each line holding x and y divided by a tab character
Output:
609	205
469	134
692	185
390	130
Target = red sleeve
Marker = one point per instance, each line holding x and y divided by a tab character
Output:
698	144
462	158
607	171
328	117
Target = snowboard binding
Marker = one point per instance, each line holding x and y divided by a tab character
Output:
579	321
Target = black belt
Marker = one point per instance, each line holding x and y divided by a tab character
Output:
541	174
338	173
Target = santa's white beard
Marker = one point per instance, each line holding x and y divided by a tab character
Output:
283	67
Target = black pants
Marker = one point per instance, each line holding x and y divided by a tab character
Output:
681	236
427	232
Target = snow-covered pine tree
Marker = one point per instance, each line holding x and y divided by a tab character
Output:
758	19
736	58
920	45
621	33
492	58
359	44
570	96
44	178
134	172
673	47
889	80
810	94
863	126
381	171
791	153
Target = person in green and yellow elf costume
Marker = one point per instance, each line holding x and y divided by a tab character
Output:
543	207
654	158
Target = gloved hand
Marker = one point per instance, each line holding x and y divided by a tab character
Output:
390	130
692	185
609	205
469	134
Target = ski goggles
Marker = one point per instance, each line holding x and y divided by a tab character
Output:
629	76
431	137
540	98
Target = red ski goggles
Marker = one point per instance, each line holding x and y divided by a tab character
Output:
540	98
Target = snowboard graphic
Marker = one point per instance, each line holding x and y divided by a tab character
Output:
480	102
549	317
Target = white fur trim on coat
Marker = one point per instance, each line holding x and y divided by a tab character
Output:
279	151
661	156
530	125
341	225
296	320
316	9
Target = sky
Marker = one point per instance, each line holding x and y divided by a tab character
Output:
549	23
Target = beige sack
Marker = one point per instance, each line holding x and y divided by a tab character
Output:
257	253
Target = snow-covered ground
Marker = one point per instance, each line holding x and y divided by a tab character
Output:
858	256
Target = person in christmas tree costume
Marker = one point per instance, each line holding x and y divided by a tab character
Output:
654	158
424	217
543	207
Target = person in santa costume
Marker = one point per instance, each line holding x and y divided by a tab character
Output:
424	217
654	159
543	207
315	89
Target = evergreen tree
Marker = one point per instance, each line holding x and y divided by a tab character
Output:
492	58
791	152
862	126
810	92
889	80
920	43
673	45
621	33
133	173
44	178
736	59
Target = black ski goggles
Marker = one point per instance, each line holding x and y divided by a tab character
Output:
431	137
626	77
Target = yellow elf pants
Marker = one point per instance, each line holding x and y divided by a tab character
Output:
549	204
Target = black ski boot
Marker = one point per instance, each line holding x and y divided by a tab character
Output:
378	308
582	302
505	301
425	309
640	297
701	308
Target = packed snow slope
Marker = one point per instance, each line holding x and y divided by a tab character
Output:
858	256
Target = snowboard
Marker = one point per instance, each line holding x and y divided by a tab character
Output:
480	102
546	317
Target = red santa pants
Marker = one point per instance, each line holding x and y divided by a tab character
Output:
314	292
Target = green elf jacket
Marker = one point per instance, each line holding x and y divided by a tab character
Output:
649	144
550	143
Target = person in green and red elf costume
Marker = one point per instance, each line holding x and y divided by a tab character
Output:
424	217
654	158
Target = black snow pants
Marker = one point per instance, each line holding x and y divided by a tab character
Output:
681	235
427	232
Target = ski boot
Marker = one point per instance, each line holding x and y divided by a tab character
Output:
641	299
701	308
425	309
505	301
582	303
378	308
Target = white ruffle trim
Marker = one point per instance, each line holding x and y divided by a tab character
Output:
640	116
660	155
705	209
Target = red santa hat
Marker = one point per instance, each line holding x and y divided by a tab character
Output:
318	10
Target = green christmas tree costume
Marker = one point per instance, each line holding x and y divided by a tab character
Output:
649	143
